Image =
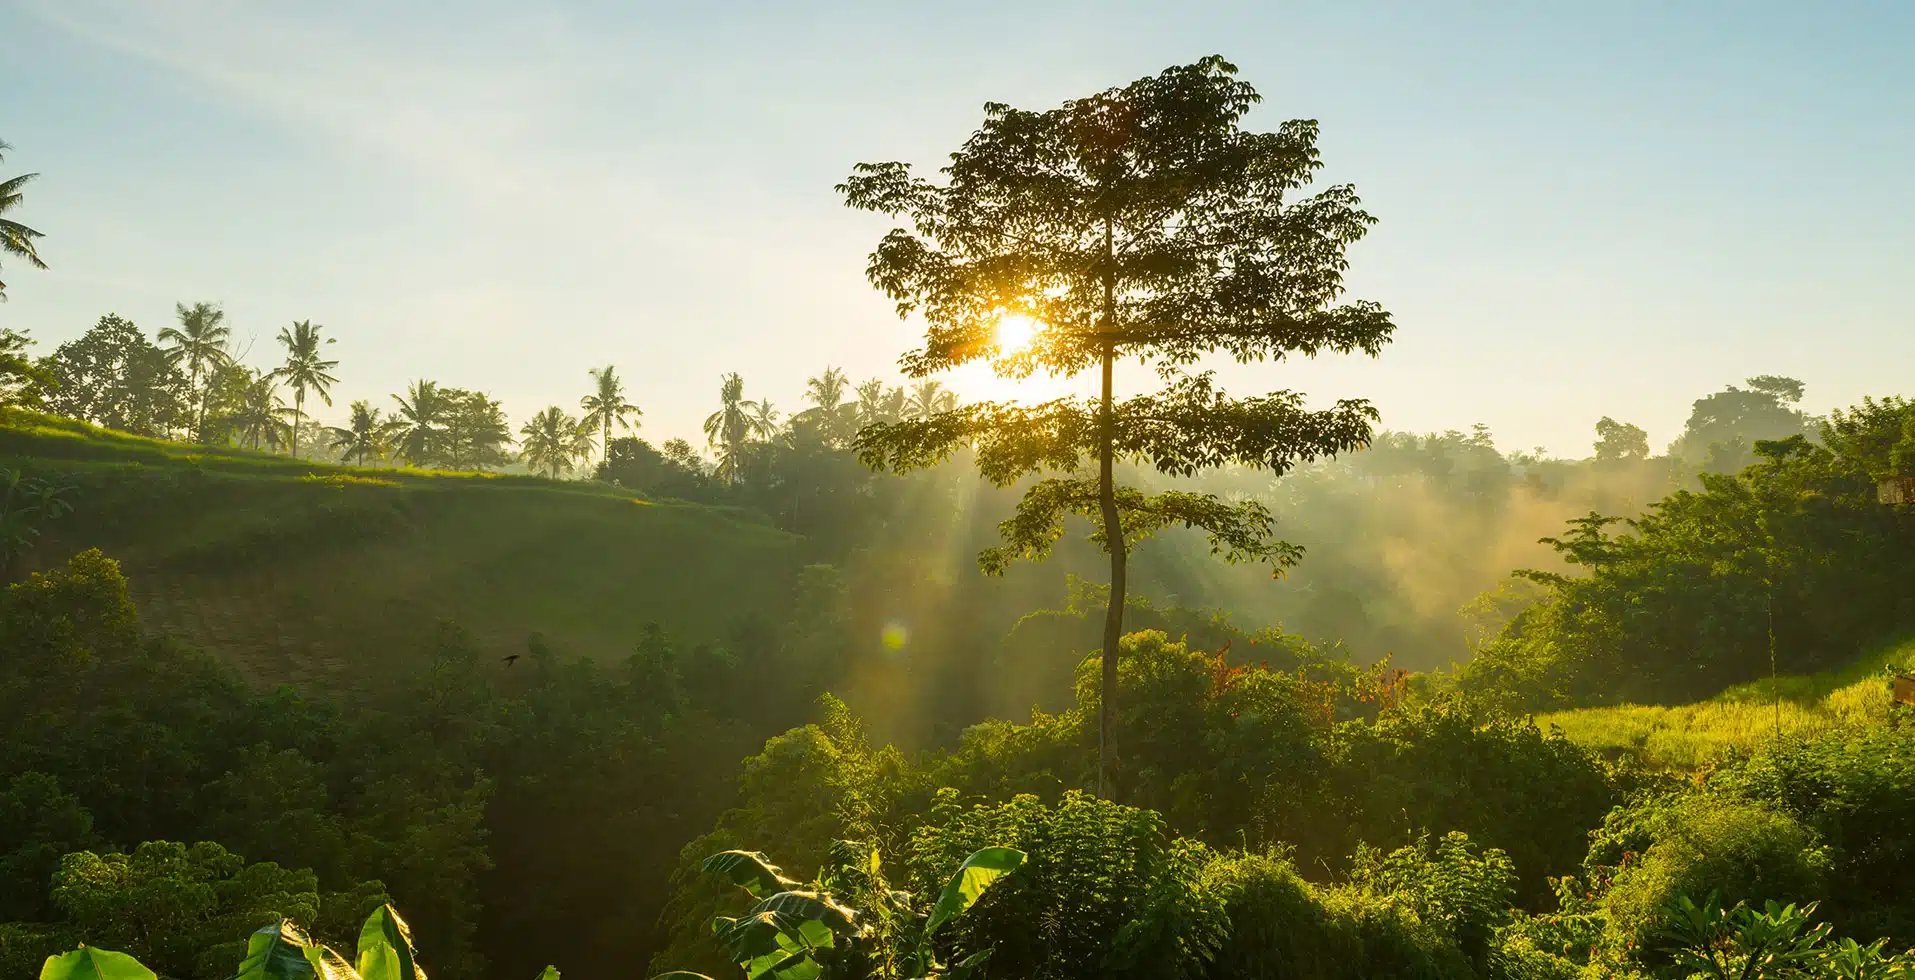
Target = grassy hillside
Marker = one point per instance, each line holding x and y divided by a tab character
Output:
1694	735
300	571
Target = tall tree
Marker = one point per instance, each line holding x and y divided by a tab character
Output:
1724	427
259	419
476	434
553	441
363	435
113	376
418	426
878	402
199	342
826	391
1620	440
15	238
764	418
929	397
1140	222
305	370
606	407
731	427
835	418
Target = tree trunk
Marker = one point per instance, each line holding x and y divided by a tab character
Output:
1114	542
199	417
299	415
1114	610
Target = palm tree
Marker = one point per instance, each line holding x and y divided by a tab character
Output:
836	418
764	418
199	342
554	441
606	406
928	398
260	419
879	403
417	426
15	238
304	370
826	391
363	435
730	427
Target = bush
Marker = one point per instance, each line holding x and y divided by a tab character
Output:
1502	781
26	945
1454	887
1106	892
1698	845
1282	928
185	911
1853	788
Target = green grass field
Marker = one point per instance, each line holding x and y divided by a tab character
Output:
1691	736
297	571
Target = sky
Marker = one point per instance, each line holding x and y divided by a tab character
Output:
1584	209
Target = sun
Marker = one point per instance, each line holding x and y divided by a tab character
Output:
1015	331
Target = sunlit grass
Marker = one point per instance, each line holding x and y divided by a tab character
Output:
1741	718
294	570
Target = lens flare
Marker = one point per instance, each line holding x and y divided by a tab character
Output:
894	636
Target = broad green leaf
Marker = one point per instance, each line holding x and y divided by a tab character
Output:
277	952
816	934
328	965
750	870
674	975
973	876
87	963
750	937
552	973
800	906
793	965
777	945
385	948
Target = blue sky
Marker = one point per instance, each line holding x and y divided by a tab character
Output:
1586	209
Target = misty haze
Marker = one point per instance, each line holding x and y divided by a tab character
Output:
875	492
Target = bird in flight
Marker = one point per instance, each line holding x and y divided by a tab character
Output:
510	659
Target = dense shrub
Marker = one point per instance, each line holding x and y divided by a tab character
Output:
1700	844
1106	890
1445	767
1856	789
1242	755
186	911
1284	928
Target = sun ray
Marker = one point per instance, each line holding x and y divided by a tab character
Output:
1015	331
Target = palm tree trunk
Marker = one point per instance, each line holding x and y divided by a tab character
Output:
199	420
1114	541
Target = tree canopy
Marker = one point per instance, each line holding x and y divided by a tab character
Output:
1140	222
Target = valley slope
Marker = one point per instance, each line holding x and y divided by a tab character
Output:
296	571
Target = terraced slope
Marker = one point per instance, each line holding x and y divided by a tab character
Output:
297	571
